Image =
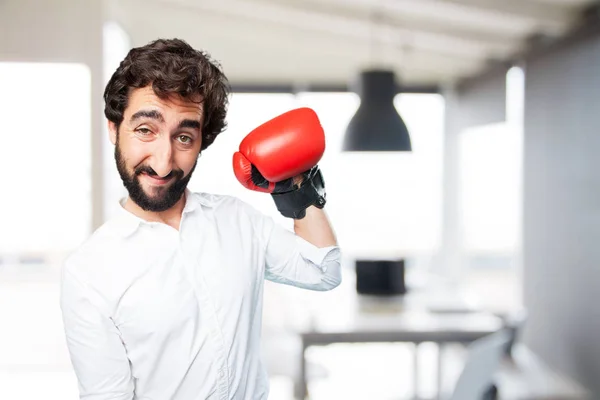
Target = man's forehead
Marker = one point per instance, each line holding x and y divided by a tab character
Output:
144	99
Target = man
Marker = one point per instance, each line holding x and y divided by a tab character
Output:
164	301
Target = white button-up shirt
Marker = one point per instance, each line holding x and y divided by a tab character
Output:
155	313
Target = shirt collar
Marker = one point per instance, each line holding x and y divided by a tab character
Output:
126	223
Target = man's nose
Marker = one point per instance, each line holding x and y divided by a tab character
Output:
163	158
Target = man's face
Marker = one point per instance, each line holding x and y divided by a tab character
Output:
157	147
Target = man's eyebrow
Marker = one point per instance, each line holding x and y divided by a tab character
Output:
152	114
190	123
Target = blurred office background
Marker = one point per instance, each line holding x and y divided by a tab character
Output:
493	217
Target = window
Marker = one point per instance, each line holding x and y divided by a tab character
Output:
45	212
490	195
491	171
44	157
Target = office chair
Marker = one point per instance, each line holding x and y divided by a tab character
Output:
476	381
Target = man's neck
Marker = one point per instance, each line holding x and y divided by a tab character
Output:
171	217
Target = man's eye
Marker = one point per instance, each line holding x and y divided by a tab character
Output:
144	131
184	139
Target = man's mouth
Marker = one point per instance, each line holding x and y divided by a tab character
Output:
156	180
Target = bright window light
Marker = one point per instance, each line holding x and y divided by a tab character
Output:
45	157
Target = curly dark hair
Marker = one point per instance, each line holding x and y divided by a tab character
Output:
171	66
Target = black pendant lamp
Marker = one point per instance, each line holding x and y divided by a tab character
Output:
377	126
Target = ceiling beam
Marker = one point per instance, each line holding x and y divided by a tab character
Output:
512	18
552	18
325	45
365	11
355	28
240	87
585	26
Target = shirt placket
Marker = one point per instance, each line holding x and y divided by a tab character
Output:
190	255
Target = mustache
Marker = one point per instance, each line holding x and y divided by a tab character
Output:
146	169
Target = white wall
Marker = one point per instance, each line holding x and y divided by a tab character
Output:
562	209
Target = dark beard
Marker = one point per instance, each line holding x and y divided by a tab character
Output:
166	197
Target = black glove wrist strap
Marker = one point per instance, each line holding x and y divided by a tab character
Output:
293	204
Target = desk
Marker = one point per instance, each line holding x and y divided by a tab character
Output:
363	319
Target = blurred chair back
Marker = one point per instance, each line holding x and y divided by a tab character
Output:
483	360
514	323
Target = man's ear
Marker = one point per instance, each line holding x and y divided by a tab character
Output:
112	132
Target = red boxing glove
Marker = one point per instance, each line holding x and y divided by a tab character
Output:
280	157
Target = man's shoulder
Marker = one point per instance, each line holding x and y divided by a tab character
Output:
97	247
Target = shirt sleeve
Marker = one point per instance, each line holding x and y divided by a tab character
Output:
291	260
96	350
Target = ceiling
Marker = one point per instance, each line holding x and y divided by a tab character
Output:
327	42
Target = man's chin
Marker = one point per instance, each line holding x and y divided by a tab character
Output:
155	195
155	192
154	199
152	203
